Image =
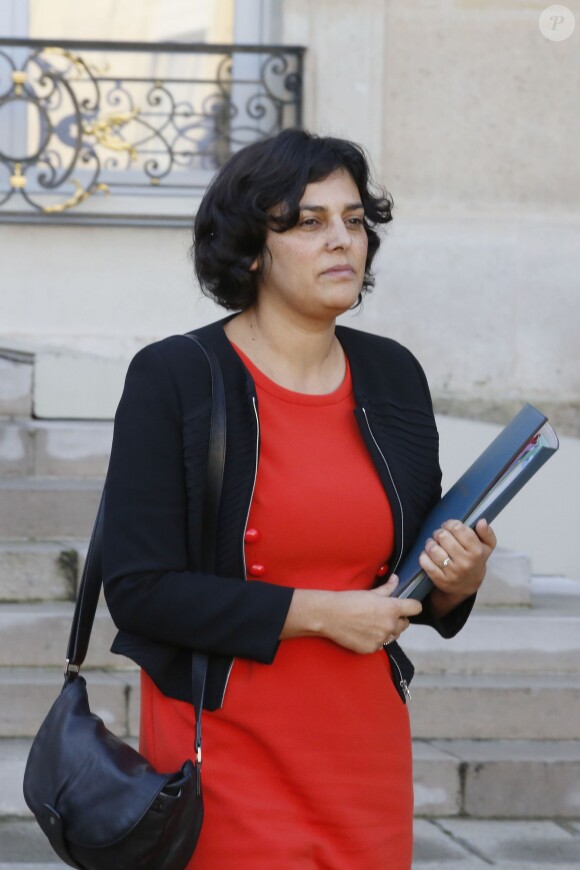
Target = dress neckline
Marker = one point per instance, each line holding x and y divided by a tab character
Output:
343	391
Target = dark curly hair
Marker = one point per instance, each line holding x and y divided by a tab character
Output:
234	216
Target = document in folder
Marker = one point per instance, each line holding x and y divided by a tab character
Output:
485	489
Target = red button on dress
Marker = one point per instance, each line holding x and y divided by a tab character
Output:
382	570
251	536
257	570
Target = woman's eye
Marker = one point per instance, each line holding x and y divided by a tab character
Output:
308	222
355	221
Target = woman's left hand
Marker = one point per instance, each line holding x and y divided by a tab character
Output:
455	559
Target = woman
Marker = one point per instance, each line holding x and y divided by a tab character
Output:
307	751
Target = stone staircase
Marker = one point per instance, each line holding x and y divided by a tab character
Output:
495	712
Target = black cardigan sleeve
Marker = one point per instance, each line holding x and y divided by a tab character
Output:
150	587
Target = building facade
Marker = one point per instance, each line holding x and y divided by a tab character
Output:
469	113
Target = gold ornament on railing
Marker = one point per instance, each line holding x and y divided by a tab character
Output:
78	196
104	131
17	181
19	80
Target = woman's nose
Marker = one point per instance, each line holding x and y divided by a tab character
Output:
338	235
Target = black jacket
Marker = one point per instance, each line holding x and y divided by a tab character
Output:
162	604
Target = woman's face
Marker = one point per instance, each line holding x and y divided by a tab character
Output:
315	270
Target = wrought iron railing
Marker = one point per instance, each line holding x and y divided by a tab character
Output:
132	132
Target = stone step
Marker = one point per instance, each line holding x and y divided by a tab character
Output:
439	844
39	570
36	635
62	448
45	508
28	694
495	706
498	707
49	375
16	383
542	639
13	755
25	847
36	570
539	640
508	581
516	779
61	376
507	844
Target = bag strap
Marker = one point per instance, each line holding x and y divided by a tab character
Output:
91	581
88	596
216	458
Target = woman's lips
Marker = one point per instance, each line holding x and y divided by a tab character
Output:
339	271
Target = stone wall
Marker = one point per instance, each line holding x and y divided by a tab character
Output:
470	115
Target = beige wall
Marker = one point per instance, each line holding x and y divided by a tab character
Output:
94	286
471	118
479	107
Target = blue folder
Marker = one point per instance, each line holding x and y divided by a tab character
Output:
485	489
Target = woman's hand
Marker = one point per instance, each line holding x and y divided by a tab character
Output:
361	621
455	559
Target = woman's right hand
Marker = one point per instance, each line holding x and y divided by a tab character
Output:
361	621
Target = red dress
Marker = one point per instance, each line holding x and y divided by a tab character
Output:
307	766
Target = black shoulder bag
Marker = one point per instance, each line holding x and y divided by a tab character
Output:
100	803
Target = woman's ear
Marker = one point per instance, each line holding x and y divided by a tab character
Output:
255	265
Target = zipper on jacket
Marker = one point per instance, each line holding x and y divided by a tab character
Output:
376	443
402	682
254	406
406	692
